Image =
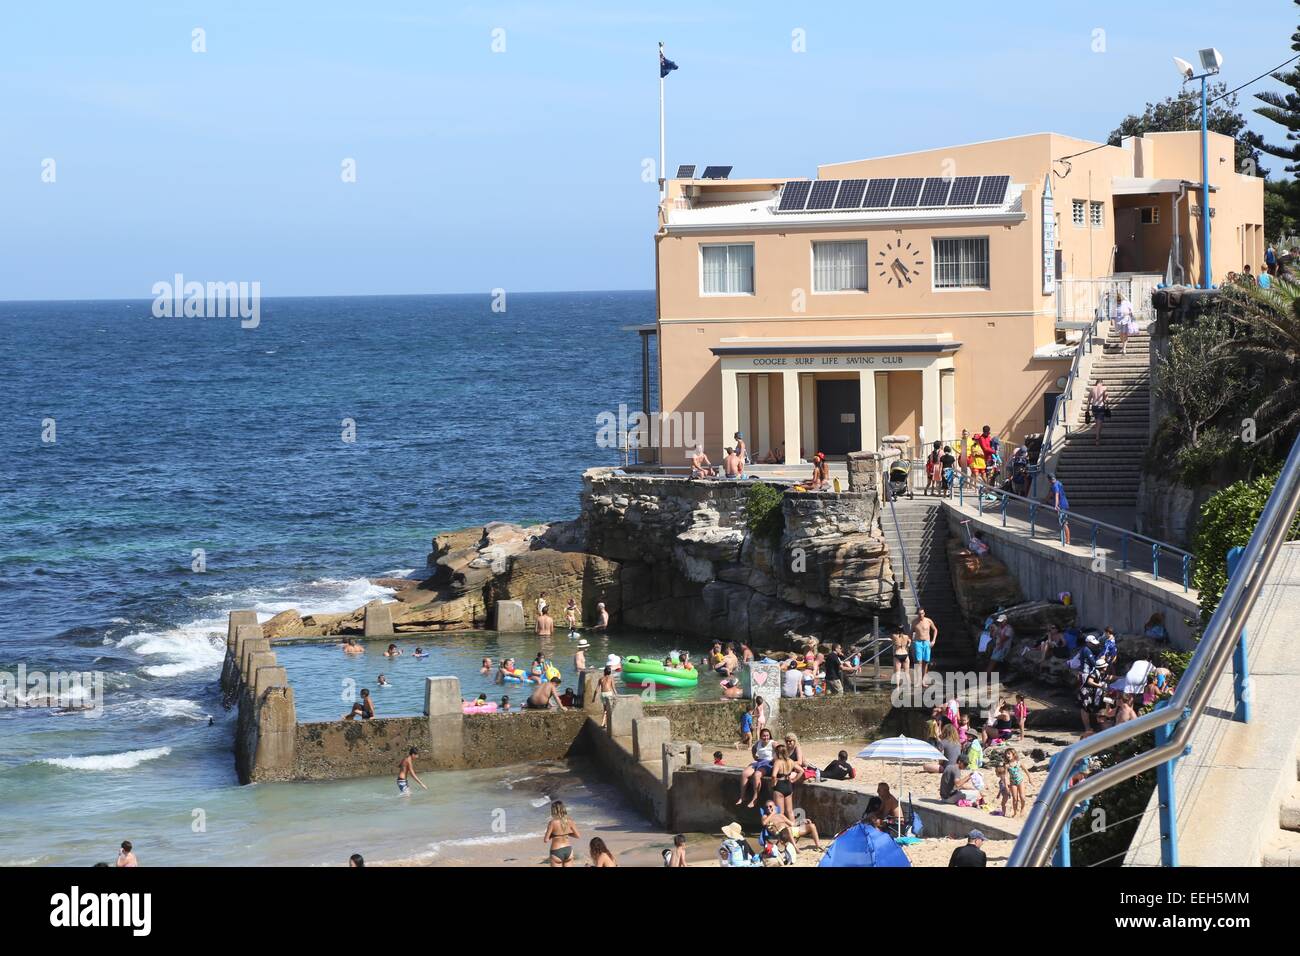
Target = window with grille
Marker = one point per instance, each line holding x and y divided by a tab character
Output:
727	270
1098	216
961	263
1079	212
840	266
1150	215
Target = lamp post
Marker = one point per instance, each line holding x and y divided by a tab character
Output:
1211	61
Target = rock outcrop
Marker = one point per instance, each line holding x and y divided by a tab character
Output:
662	553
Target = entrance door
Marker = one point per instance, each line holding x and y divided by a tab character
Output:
838	406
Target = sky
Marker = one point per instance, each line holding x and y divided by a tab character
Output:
506	145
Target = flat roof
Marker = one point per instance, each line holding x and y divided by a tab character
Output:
828	344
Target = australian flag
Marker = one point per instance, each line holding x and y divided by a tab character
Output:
666	65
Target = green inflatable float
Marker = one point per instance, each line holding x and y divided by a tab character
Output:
641	673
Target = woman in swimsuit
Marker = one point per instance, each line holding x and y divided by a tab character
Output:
784	773
794	751
763	753
600	855
558	833
1015	782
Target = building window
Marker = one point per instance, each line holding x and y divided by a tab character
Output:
961	263
1150	215
1098	218
1078	212
840	266
727	270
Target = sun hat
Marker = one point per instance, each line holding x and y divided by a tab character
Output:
975	835
733	831
1002	619
583	644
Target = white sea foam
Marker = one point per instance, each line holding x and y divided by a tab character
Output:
439	847
161	707
180	650
122	761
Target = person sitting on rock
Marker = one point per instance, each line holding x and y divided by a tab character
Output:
701	467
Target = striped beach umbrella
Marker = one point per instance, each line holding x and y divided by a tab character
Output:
902	750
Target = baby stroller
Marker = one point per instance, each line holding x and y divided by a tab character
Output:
900	479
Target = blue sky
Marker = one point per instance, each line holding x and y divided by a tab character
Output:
520	169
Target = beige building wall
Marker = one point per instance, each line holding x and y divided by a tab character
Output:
996	378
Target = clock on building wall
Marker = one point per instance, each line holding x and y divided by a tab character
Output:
899	262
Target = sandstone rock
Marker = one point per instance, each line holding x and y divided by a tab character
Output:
712	543
981	584
561	575
1033	618
285	624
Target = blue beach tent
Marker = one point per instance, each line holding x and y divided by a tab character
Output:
862	845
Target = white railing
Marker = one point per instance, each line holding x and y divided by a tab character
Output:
1083	299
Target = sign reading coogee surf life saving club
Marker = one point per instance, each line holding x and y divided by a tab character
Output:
824	361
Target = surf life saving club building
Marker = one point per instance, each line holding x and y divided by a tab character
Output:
919	294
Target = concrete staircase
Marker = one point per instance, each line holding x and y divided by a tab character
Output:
1107	475
924	534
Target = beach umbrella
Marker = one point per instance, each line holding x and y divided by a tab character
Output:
902	750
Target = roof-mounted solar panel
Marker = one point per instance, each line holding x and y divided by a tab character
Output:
993	190
794	196
716	172
823	194
686	172
935	191
850	194
878	192
907	192
964	190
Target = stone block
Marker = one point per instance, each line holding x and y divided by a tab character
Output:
243	634
442	696
379	620
649	734
509	615
238	619
267	677
589	690
249	648
256	661
623	710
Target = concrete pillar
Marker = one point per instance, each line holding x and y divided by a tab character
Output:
379	620
730	407
275	752
931	415
743	425
808	410
947	405
867	409
441	696
763	439
258	660
649	734
674	757
238	618
243	634
882	407
763	680
790	399
264	678
589	690
245	662
623	710
509	615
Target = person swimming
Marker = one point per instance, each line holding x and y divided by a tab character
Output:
419	654
383	681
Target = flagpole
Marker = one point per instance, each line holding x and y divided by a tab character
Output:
663	173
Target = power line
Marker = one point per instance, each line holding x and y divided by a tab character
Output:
1064	159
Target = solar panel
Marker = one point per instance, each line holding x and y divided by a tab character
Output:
823	194
850	195
794	196
907	191
993	190
964	189
935	191
686	172
877	196
716	172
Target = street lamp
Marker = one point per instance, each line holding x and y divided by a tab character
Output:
1211	61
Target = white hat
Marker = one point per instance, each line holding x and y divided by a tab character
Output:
583	644
1002	619
733	831
612	660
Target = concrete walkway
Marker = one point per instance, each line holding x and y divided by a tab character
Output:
1238	792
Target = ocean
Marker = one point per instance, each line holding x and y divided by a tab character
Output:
159	472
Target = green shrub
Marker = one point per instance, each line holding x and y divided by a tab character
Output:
763	512
1227	521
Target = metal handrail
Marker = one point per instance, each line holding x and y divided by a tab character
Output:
1084	348
902	552
1157	547
1056	799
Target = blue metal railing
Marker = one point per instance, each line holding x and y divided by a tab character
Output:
1059	410
1046	828
1065	519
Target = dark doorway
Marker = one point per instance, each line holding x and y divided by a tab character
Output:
838	429
1049	407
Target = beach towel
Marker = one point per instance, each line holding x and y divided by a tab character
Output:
1135	681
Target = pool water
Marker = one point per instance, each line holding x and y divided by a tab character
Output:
326	681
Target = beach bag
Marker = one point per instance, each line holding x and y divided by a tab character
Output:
985	639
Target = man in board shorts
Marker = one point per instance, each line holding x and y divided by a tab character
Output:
924	636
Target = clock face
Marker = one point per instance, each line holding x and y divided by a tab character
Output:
899	262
